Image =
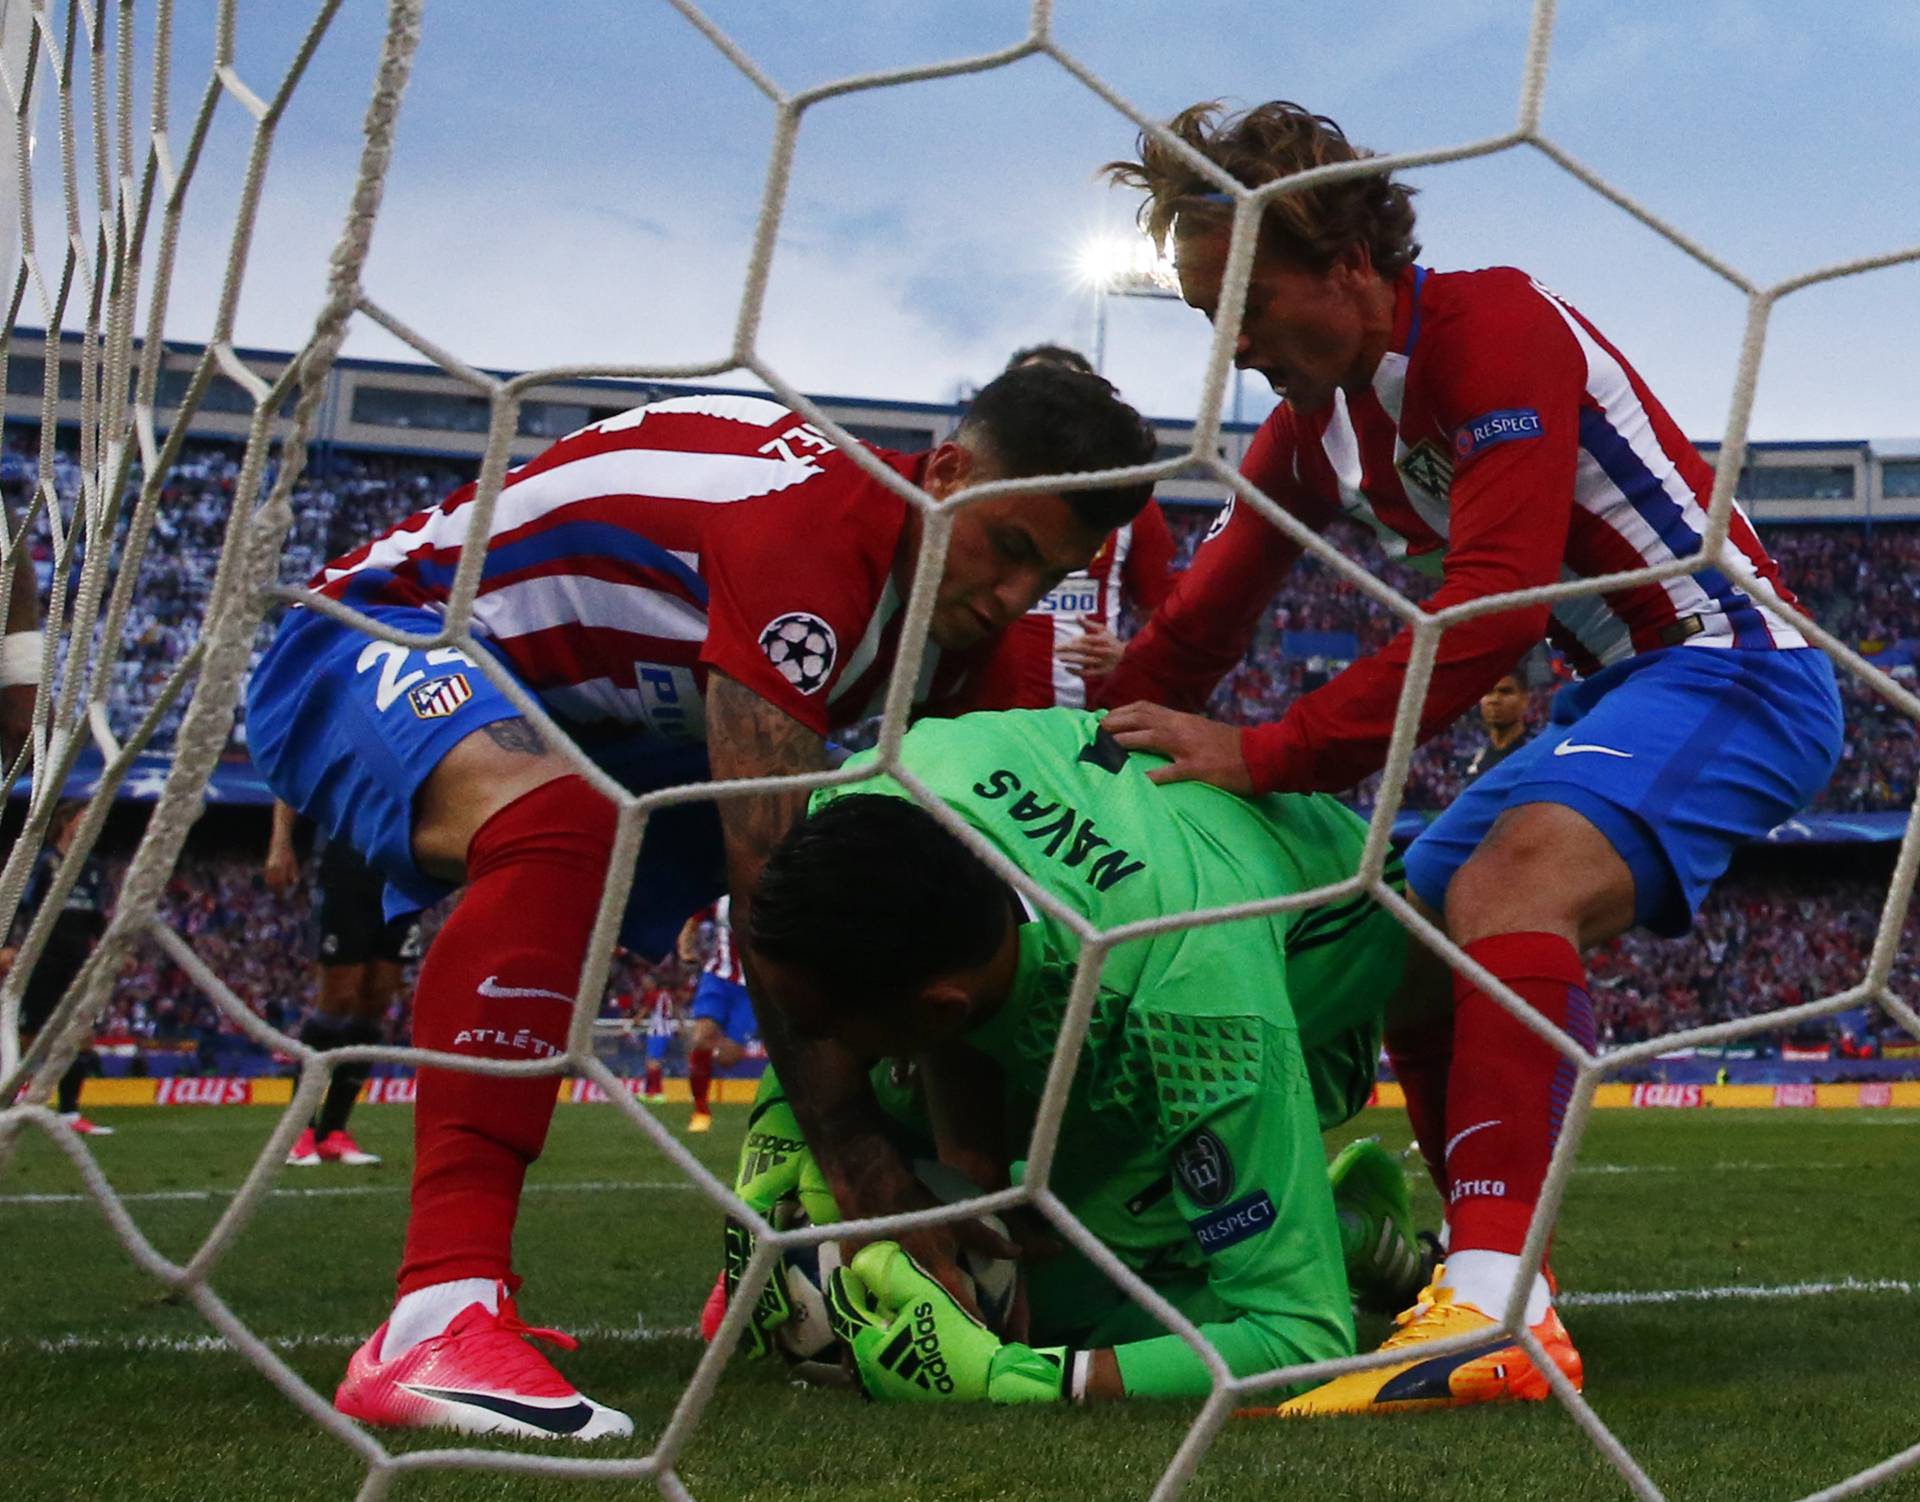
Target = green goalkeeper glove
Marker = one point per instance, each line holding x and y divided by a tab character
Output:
775	1165
776	1162
913	1343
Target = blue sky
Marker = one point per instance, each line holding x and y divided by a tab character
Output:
580	183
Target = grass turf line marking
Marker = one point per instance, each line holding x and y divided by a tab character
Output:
336	1191
214	1345
361	1191
1707	1167
1711	1295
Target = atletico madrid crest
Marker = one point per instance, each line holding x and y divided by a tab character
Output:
1426	468
441	697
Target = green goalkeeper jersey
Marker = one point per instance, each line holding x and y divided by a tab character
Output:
1215	1055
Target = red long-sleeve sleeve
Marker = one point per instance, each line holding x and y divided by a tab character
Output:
1207	622
1147	578
1511	503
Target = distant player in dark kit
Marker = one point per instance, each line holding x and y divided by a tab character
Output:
363	957
83	918
1503	710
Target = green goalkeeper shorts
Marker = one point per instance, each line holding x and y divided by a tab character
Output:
1343	961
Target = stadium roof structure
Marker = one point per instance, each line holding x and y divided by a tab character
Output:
397	407
400	407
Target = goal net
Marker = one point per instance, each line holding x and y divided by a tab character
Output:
103	161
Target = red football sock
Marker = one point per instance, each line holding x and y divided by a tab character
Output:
654	1077
534	875
1422	1056
1508	1089
699	1075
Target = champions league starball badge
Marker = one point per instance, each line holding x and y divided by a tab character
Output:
802	648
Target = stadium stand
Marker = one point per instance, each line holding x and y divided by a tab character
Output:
261	943
1862	582
1763	941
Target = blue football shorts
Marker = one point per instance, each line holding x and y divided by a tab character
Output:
728	1004
1677	756
347	728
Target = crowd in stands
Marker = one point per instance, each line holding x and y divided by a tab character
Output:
261	944
357	498
1880	763
1867	593
1760	944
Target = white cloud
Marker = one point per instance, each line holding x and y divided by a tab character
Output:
929	230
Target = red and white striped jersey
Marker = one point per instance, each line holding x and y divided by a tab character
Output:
656	1008
1134	567
706	532
1502	444
723	959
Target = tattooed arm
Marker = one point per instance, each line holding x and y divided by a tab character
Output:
825	1082
748	737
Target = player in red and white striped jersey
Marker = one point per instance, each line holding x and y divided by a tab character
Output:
656	1011
1489	433
723	955
698	588
1071	639
1061	649
639	555
20	646
721	1012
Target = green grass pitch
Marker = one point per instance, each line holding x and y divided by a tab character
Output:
109	1391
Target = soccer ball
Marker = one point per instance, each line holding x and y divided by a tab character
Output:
807	1341
801	648
995	1279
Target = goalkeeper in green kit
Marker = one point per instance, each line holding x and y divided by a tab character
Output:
1215	1056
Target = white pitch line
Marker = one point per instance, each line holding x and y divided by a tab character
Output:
214	1345
1634	1296
1794	1118
361	1191
1707	1167
335	1191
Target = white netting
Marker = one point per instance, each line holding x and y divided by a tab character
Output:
116	245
